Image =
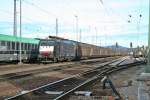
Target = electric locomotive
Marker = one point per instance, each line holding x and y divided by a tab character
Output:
56	49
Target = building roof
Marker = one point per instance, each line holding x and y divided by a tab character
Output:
17	39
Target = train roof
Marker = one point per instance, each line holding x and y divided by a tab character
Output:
17	39
60	38
56	37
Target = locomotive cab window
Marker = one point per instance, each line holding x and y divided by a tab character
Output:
49	43
43	43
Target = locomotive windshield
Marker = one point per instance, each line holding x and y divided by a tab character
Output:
43	43
50	42
47	43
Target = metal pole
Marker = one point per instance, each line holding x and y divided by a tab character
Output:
80	35
76	27
56	27
15	20
96	35
131	49
105	36
20	57
91	36
147	69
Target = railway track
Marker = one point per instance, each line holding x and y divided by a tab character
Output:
18	75
63	88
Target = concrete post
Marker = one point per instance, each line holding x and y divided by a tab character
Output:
56	26
147	68
15	19
20	43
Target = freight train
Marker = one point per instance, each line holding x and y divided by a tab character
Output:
59	49
51	49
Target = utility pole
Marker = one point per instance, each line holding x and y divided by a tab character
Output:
131	49
116	48
147	69
77	48
90	34
96	35
100	42
80	35
76	27
20	57
56	26
15	19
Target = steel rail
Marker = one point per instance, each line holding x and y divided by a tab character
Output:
18	75
99	72
99	76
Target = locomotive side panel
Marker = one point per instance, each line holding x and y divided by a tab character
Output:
67	50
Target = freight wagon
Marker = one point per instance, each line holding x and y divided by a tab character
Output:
91	51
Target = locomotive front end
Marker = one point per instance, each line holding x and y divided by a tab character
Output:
46	50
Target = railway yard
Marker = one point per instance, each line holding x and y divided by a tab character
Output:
74	50
67	80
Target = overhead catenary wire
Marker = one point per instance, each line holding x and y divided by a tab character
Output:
136	19
137	27
35	22
6	12
27	22
101	3
40	8
61	22
49	13
8	17
109	10
139	21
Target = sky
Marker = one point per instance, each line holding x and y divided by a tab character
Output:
100	22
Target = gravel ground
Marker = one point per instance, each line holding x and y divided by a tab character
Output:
13	87
11	68
125	82
27	67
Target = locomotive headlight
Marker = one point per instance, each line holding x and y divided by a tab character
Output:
47	48
51	48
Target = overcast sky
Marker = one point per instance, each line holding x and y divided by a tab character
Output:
109	19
